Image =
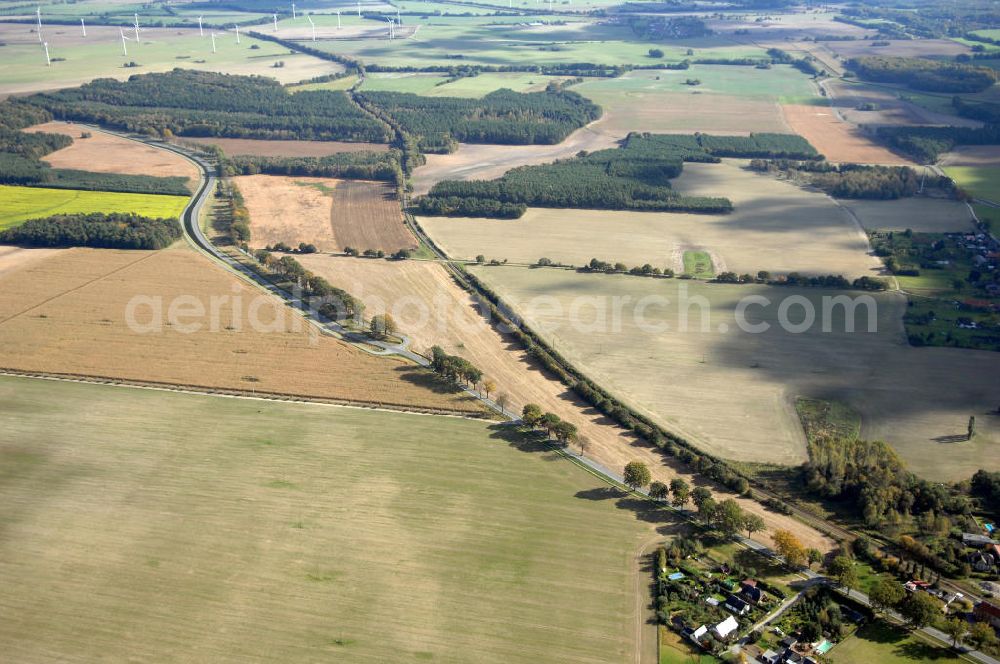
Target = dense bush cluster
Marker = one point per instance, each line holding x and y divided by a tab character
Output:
193	103
923	74
503	117
855	180
107	231
462	206
350	165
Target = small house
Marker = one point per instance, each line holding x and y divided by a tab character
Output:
770	657
737	606
698	634
711	601
788	642
986	612
981	561
752	594
726	627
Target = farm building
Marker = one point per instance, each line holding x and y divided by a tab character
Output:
986	612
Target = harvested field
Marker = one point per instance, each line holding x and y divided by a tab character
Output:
923	215
69	314
783	26
839	141
332	214
732	392
240	147
729	100
107	153
142	525
775	226
485	162
903	48
18	204
16	258
430	308
972	155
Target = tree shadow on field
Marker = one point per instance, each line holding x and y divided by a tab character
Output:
427	379
533	442
958	438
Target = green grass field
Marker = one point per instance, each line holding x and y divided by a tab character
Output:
18	204
980	181
153	526
882	643
780	82
698	264
77	60
434	85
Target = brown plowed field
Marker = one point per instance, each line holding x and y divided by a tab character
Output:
105	153
433	310
836	139
68	314
242	147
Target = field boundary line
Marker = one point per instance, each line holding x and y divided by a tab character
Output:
230	393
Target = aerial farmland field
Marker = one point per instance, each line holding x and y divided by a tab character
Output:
733	392
181	526
775	226
22	65
115	314
18	204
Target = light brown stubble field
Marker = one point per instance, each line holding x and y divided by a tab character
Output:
106	153
775	226
732	393
455	323
67	315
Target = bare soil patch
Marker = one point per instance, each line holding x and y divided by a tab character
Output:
775	226
106	153
433	310
839	141
904	48
16	258
240	147
485	162
366	215
68	315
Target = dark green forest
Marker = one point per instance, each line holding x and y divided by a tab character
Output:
105	231
503	117
352	165
923	74
193	103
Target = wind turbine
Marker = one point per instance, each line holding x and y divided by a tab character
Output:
312	25
398	20
38	13
213	42
136	29
83	27
275	22
338	19
392	32
124	39
237	33
201	30
359	7
294	15
48	62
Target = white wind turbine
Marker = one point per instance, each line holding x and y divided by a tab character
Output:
201	30
38	14
237	33
294	15
83	27
275	22
124	39
392	31
213	43
338	19
136	29
48	62
313	26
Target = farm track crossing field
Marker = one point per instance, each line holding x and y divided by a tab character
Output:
837	140
99	55
69	314
170	527
240	147
332	214
18	204
107	153
774	226
732	393
431	309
